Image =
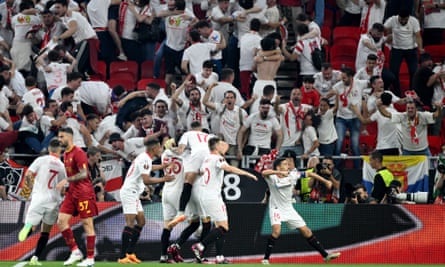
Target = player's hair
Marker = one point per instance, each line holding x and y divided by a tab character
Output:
246	4
151	143
73	76
154	86
208	64
324	99
278	162
348	71
118	90
92	150
30	81
146	111
308	79
268	44
180	4
226	73
27	109
376	155
195	89
255	25
404	12
326	65
54	145
386	99
26	5
378	27
53	55
373	79
67	130
302	17
230	92
194	36
92	116
65	105
50	101
302	29
372	57
195	125
66	91
268	90
202	24
212	142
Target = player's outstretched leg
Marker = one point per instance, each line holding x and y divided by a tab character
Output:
26	230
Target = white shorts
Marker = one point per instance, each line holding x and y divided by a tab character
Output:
290	216
131	204
194	162
42	212
170	204
194	208
215	208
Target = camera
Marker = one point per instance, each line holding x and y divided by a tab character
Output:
97	189
355	195
418	197
320	167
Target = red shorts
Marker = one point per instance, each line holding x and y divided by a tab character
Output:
85	207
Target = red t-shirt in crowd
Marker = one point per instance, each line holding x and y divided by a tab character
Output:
311	97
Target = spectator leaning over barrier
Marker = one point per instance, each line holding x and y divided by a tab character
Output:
414	127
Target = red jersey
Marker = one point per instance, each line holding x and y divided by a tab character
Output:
289	3
75	160
311	97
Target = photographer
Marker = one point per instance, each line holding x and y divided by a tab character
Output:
322	186
360	196
99	189
439	188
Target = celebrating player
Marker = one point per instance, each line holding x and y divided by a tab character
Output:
281	182
45	175
80	199
195	141
138	175
210	185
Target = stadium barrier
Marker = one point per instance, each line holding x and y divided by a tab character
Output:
403	234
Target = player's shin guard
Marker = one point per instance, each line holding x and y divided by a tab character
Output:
187	232
91	242
216	233
69	239
165	238
41	244
205	229
127	235
134	239
313	241
185	196
270	244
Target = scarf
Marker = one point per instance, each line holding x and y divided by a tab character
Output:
299	115
365	22
344	96
413	132
122	13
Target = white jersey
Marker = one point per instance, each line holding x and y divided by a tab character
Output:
191	113
327	133
414	134
176	169
195	142
98	13
308	137
249	43
213	175
403	36
386	137
57	76
304	49
292	122
323	86
349	95
215	37
196	54
133	182
281	189
217	94
230	121
35	98
22	24
97	94
50	171
84	30
261	130
363	51
176	30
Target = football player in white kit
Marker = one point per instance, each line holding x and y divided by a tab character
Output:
281	181
194	142
134	184
170	206
210	184
48	173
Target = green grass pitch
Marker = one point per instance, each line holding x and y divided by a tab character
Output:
156	264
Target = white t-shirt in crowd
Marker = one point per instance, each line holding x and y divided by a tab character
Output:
97	94
308	137
291	125
97	11
387	136
84	29
57	76
403	36
176	30
349	95
363	51
196	54
230	121
261	130
327	133
419	141
304	49
249	43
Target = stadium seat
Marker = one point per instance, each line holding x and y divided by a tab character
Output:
129	85
404	77
343	54
367	143
101	74
345	32
435	143
124	70
147	69
143	83
326	33
437	52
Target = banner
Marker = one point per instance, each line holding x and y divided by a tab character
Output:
113	175
12	175
411	171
